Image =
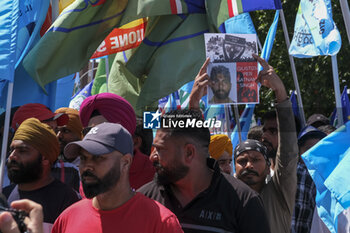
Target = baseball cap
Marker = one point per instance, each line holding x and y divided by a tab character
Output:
317	120
38	111
103	139
310	131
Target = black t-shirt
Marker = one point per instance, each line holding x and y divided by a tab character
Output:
54	198
228	205
71	174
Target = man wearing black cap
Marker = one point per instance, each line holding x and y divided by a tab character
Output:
316	120
252	163
306	190
112	206
191	184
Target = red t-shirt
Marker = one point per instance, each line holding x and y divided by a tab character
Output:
139	214
141	170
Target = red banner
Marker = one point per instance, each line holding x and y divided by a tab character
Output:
121	39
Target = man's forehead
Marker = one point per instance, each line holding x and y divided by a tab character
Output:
270	123
96	120
20	144
221	76
161	136
251	153
85	153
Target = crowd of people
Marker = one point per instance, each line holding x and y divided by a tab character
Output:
98	170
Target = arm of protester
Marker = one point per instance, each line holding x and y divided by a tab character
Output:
268	78
34	222
200	86
285	178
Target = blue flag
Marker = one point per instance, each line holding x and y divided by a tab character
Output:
80	96
295	106
328	163
9	15
32	16
245	120
345	104
267	48
315	33
64	91
240	24
247	114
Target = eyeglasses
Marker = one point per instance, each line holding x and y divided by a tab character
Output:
86	130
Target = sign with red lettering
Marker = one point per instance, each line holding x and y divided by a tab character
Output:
121	39
247	88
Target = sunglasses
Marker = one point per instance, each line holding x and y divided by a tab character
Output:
86	130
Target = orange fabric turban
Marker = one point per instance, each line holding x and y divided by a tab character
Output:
74	123
40	136
218	144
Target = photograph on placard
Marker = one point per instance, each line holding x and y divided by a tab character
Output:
222	83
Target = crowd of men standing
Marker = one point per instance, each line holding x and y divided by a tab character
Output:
94	170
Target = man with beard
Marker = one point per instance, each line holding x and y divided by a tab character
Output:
66	169
220	83
191	184
34	148
109	107
112	206
252	163
70	132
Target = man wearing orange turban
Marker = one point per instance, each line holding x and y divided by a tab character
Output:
70	132
220	148
34	149
66	169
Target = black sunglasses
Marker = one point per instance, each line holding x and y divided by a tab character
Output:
86	130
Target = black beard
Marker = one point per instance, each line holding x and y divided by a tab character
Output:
271	153
62	145
166	176
26	173
101	185
221	95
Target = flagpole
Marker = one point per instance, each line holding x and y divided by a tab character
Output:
238	124
107	71
91	70
346	15
337	91
6	133
294	71
259	43
227	120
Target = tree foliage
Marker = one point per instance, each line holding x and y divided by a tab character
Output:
314	74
